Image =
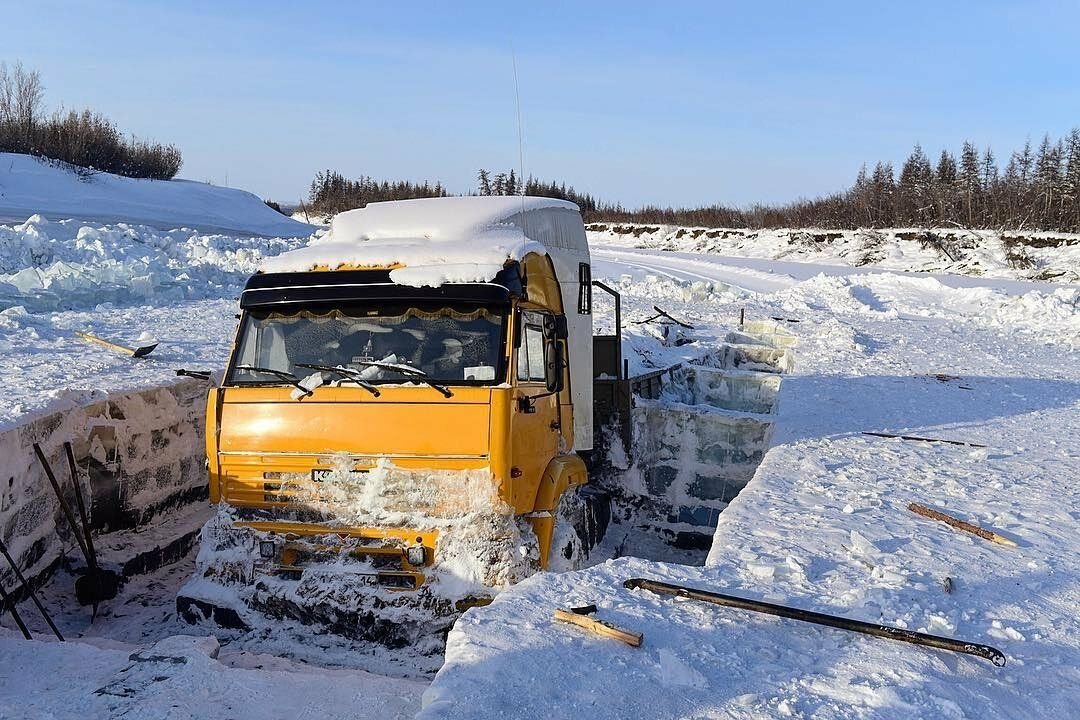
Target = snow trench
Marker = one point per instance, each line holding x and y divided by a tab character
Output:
698	438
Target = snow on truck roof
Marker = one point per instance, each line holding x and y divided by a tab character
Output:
440	240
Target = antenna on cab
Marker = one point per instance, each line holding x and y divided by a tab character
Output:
521	146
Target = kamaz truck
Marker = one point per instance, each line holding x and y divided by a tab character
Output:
400	428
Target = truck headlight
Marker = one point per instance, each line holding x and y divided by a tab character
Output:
415	555
267	549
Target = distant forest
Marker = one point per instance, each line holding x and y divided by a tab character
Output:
84	140
1038	189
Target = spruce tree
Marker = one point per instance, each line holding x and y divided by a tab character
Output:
945	188
970	186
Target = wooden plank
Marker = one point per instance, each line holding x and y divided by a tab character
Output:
598	627
960	524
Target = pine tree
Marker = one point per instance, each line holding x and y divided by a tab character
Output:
862	197
914	188
1070	186
945	187
970	185
484	179
884	188
990	210
1017	186
1047	182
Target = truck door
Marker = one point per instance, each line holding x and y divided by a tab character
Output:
535	428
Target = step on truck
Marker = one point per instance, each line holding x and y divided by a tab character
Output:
401	427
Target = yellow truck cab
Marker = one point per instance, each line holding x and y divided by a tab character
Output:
426	358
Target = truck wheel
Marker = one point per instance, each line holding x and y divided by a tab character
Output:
568	551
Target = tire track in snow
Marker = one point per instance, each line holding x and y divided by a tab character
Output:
738	279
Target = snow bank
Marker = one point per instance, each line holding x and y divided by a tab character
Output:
437	240
47	265
29	186
1033	256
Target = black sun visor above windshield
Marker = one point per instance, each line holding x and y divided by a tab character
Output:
307	288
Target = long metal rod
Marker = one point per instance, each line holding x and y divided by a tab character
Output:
919	438
63	503
893	633
10	605
92	559
29	590
91	555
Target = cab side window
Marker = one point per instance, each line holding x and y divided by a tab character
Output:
530	359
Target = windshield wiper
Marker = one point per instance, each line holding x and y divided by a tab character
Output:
197	374
407	370
287	376
347	373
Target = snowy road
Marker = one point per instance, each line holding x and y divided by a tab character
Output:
614	261
766	276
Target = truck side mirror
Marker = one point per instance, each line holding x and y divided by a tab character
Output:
554	368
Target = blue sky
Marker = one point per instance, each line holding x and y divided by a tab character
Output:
680	103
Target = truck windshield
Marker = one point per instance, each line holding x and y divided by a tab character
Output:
452	346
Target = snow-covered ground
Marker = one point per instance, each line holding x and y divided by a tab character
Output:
29	186
823	525
181	677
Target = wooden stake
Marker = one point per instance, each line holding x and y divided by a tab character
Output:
961	525
597	627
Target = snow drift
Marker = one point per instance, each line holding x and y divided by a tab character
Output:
1045	256
31	186
66	264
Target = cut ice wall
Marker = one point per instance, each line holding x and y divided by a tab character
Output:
700	440
139	455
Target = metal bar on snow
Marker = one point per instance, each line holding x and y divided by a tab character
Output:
893	633
919	438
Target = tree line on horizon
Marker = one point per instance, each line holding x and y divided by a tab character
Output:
331	192
1038	189
84	140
